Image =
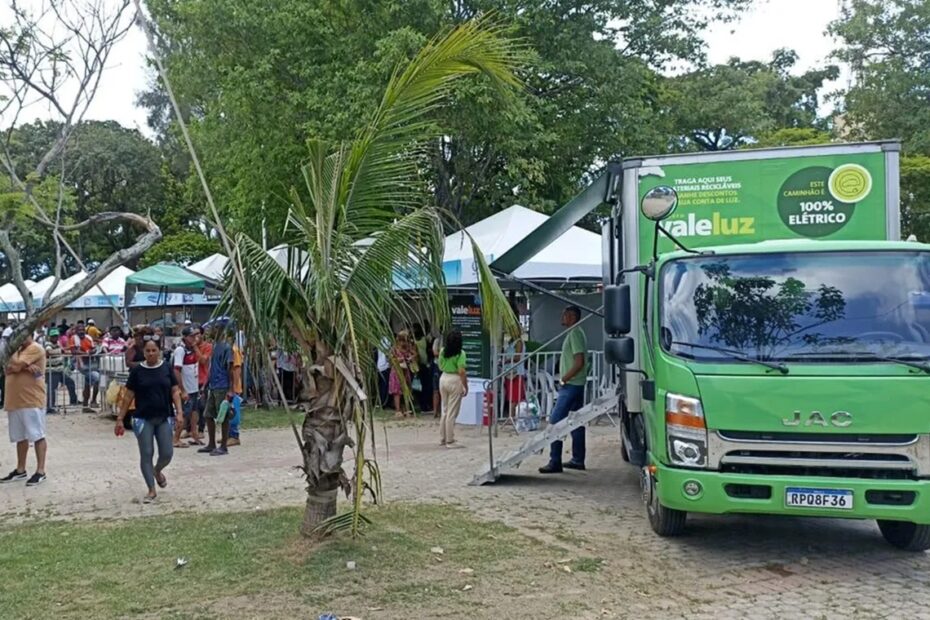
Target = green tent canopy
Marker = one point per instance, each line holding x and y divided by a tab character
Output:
167	279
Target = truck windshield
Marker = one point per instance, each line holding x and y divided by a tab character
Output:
843	307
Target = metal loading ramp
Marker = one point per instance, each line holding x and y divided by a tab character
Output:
541	440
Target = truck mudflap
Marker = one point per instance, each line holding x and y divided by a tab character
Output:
712	492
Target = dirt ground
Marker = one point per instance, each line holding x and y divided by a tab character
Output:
725	567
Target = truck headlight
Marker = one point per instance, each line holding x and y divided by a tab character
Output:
686	431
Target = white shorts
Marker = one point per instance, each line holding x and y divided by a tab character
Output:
27	425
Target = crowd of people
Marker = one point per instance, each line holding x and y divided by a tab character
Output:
172	398
180	398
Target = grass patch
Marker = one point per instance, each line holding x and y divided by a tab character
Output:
277	417
255	564
587	565
274	417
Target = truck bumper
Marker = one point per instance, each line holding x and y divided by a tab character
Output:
723	493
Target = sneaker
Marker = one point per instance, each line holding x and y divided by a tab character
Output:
221	451
551	469
35	480
207	450
233	441
14	476
574	465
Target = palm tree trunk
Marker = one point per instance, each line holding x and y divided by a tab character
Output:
321	505
325	438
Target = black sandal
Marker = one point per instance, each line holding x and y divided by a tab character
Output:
160	480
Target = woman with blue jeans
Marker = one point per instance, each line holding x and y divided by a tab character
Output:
154	388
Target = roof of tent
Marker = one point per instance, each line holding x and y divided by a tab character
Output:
169	278
575	255
41	290
211	267
10	299
107	292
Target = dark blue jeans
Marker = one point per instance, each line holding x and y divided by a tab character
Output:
570	398
149	433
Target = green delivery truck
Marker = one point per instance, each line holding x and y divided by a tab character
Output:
772	336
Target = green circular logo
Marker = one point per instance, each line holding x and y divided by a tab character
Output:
850	183
808	208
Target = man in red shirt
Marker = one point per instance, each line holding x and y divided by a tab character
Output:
82	347
205	351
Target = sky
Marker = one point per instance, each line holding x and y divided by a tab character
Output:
767	26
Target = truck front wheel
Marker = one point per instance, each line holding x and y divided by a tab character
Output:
664	521
906	535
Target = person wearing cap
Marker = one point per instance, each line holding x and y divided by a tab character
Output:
59	371
186	363
93	331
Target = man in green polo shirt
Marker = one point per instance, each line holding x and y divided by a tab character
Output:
573	372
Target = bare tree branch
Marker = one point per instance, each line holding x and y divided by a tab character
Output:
49	49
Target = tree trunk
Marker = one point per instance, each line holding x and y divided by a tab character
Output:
321	505
325	438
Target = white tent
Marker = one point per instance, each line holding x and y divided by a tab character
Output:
10	299
107	293
211	267
576	255
42	290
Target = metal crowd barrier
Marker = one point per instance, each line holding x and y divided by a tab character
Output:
66	376
541	373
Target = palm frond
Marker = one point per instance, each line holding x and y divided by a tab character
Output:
383	166
342	522
495	310
357	232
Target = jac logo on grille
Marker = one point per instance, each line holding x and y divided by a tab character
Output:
815	418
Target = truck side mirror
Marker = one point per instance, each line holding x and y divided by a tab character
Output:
617	310
619	351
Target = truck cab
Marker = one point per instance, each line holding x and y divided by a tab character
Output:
772	337
788	377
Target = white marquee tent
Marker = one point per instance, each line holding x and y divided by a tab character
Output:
10	299
107	293
575	256
211	267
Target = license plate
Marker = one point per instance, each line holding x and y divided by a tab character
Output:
799	497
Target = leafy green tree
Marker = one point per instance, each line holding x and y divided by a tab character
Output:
32	242
359	221
792	136
887	46
107	168
182	248
915	196
734	104
592	92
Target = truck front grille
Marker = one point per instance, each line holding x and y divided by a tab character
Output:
808	438
887	457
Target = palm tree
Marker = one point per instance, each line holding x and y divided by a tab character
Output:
362	226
